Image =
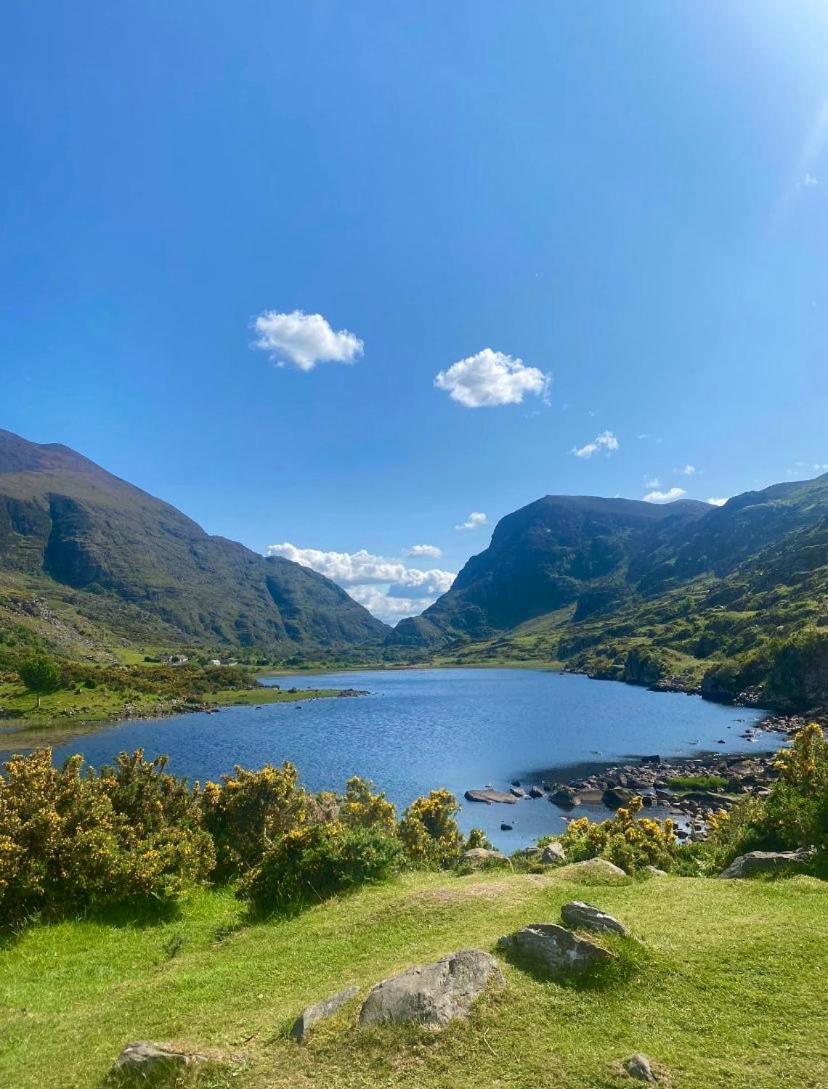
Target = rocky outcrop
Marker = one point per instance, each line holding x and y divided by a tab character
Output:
490	796
582	916
553	854
553	951
597	871
319	1011
768	862
432	994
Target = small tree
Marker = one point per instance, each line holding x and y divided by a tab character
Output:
40	675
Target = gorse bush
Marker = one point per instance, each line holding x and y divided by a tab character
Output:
316	861
629	842
429	832
795	813
71	840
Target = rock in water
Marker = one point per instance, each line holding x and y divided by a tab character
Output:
554	951
490	796
755	862
432	994
149	1060
319	1011
638	1066
580	915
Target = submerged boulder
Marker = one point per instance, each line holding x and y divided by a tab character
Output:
582	916
553	951
319	1011
432	994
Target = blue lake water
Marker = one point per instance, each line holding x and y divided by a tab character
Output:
425	728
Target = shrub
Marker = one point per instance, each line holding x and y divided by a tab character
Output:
250	810
428	830
317	861
361	808
629	843
71	841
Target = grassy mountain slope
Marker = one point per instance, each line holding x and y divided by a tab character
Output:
627	591
109	561
729	990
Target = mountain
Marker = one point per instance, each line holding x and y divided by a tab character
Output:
99	556
682	595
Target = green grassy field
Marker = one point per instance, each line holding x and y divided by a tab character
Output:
730	990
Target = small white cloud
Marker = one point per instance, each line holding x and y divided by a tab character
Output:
651	482
718	500
304	339
387	587
688	470
474	521
606	441
665	497
810	181
425	550
492	378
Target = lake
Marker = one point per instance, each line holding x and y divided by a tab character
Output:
422	728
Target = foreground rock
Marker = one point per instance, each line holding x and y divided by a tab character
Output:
553	951
482	856
582	916
149	1060
758	862
432	994
319	1011
638	1066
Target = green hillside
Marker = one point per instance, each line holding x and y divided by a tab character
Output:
89	561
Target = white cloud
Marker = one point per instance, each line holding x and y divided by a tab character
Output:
718	500
688	470
810	181
665	497
378	582
474	521
651	482
491	378
425	550
304	339
605	441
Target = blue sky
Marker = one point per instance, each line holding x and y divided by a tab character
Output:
601	224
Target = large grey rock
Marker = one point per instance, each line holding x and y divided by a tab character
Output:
552	854
554	951
432	994
490	796
597	871
582	916
638	1067
148	1059
319	1011
756	862
482	856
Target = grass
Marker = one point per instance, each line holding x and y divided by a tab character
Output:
729	994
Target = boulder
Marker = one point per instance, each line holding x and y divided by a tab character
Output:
553	951
490	796
566	797
654	871
319	1011
582	916
432	994
638	1066
535	792
597	871
518	791
756	862
617	796
552	854
481	856
149	1060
